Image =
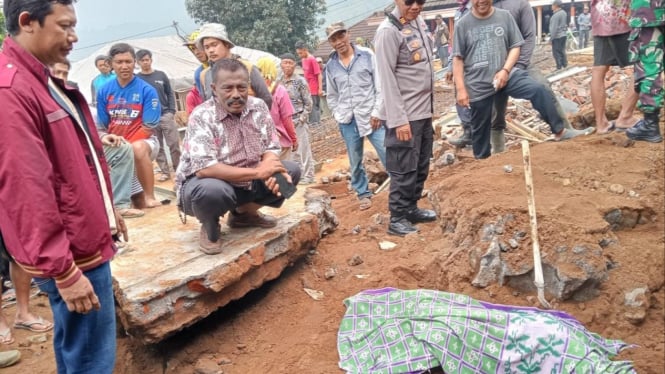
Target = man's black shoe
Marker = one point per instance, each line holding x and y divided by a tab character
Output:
400	226
421	215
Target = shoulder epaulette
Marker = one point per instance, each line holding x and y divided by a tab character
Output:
7	73
399	23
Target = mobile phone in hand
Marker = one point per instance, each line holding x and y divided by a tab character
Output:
285	188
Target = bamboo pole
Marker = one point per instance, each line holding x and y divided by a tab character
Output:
539	280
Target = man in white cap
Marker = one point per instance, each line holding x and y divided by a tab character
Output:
353	97
214	40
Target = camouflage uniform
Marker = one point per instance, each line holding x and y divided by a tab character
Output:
646	51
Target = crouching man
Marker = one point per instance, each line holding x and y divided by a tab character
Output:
230	158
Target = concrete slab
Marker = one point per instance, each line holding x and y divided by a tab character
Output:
163	283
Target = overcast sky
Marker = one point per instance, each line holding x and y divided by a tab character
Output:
100	22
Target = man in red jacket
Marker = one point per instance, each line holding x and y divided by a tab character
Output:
57	215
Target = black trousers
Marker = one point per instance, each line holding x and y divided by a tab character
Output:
481	125
208	199
408	166
559	52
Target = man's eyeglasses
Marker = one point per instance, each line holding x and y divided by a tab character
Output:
410	2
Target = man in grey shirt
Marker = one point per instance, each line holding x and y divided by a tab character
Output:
486	50
404	63
558	28
526	22
354	99
167	131
583	27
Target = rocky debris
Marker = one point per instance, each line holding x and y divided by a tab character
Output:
356	260
616	188
637	302
628	218
314	294
638	297
330	273
448	158
325	180
387	246
356	230
379	218
374	169
513	243
508	169
319	203
207	366
223	360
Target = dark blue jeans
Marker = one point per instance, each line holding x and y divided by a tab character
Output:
84	343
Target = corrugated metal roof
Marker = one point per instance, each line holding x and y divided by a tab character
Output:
367	27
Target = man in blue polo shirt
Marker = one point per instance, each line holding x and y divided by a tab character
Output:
128	110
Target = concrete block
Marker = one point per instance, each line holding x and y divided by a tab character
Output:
163	283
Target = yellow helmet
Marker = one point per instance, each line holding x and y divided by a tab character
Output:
191	39
267	67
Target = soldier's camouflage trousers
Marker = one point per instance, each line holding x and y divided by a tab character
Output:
646	52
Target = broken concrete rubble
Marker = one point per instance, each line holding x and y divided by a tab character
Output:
165	283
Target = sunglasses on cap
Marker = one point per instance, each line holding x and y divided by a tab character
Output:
410	2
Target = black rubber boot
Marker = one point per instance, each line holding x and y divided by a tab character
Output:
646	129
401	226
463	140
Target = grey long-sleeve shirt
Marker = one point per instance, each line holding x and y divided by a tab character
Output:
526	23
558	24
354	91
404	65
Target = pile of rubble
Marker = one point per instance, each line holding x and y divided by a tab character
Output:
572	87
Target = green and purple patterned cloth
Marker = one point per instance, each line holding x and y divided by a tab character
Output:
396	331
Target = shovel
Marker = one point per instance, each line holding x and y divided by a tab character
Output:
537	265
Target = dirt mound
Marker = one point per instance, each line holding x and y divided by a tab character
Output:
281	329
600	209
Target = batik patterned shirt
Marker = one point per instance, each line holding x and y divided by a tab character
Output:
217	136
300	98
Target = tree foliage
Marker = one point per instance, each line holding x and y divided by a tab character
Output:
269	25
3	32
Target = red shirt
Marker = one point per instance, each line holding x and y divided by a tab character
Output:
52	213
312	72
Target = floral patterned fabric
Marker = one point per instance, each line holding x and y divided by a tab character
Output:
396	331
610	17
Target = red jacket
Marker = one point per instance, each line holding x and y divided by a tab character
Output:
53	217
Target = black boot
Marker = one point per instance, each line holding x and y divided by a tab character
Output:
464	140
400	226
421	215
646	129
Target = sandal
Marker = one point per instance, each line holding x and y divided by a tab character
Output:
6	337
131	213
365	203
30	325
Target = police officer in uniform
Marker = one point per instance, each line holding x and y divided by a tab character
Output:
404	64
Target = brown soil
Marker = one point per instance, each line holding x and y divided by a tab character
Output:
280	329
